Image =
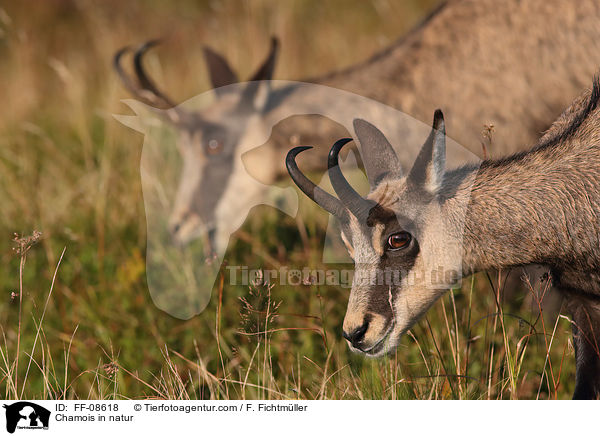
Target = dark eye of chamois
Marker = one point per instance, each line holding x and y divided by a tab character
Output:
398	241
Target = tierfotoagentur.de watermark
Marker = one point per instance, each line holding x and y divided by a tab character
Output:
244	275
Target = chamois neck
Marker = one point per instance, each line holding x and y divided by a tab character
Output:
537	207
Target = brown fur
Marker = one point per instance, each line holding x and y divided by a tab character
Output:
543	206
483	62
548	199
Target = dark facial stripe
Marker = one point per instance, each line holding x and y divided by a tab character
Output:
393	266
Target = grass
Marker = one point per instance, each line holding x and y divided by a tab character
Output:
471	345
76	317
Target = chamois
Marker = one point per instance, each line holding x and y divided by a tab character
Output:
538	206
511	63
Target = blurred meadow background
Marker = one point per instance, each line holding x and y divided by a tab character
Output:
76	318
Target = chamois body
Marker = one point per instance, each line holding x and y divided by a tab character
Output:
543	207
514	64
537	206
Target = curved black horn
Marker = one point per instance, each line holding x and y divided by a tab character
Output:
350	198
316	194
127	82
143	88
144	79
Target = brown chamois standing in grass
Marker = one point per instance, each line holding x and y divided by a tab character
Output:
512	63
538	206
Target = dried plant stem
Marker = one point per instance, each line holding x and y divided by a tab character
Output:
37	334
21	268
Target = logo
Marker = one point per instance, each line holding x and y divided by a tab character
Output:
26	415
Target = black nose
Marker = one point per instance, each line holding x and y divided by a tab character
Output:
356	335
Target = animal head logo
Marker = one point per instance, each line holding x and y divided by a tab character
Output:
26	415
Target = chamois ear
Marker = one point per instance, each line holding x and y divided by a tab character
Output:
265	72
427	173
378	156
257	91
219	70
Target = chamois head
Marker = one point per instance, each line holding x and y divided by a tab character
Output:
405	258
211	141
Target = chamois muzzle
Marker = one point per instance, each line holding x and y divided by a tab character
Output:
356	336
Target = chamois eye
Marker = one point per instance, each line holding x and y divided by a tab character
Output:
214	146
398	240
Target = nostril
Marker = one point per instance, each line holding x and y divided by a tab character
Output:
175	228
359	333
356	335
